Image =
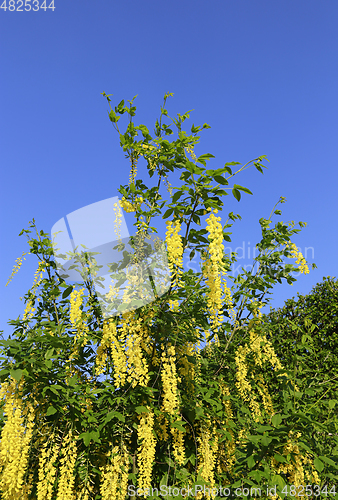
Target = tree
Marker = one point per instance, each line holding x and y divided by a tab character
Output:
97	407
304	335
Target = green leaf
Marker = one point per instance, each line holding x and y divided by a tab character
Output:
194	169
113	414
236	194
279	481
266	440
51	410
67	292
199	412
251	462
241	188
318	464
164	480
16	374
88	436
202	159
113	117
176	196
178	426
276	420
220	179
328	461
141	409
168	212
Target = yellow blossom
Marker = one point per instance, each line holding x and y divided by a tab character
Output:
175	250
67	465
114	475
15	441
146	450
296	254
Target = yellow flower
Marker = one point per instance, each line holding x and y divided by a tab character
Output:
207	453
126	205
213	269
67	466
15	440
296	254
114	477
175	250
17	267
169	381
47	470
146	450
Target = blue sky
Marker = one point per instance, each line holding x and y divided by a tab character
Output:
262	73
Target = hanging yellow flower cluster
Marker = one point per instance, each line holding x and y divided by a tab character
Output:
114	478
108	341
86	492
190	149
213	270
186	368
126	205
296	254
117	223
178	445
127	355
170	400
66	469
162	428
133	171
294	469
264	393
169	186
169	380
47	470
29	310
129	207
227	448
16	268
116	343
151	160
262	351
137	364
76	299
15	440
175	251
75	314
146	451
207	455
243	385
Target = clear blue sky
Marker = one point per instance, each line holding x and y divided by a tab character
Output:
262	73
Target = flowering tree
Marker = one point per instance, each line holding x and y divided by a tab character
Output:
183	392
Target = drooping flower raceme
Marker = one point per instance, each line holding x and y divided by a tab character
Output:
15	441
175	250
114	478
213	269
146	451
67	466
296	254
